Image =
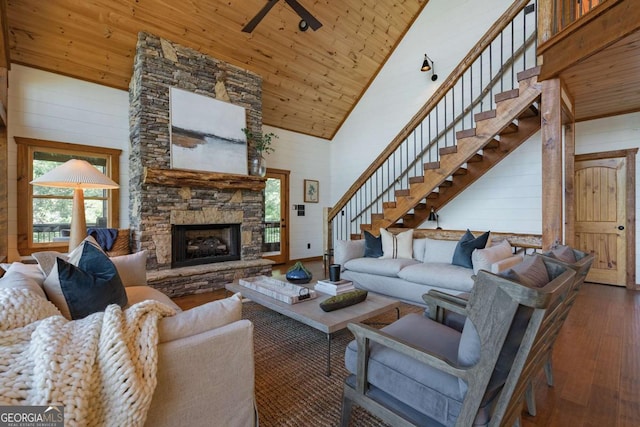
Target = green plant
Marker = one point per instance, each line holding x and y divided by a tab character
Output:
261	142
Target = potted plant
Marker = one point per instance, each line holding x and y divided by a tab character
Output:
262	144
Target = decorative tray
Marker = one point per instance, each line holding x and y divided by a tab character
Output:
277	289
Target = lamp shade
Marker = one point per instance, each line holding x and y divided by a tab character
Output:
425	64
75	173
432	215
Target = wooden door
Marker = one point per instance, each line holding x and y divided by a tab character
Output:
275	243
601	217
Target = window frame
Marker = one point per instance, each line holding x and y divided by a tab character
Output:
26	147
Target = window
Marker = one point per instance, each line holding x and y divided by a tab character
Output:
44	213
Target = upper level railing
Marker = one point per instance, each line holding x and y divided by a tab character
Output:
558	18
491	67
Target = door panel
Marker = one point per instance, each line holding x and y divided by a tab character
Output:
275	243
601	217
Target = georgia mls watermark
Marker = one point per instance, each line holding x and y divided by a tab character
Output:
32	416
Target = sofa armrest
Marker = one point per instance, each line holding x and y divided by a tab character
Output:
204	377
504	264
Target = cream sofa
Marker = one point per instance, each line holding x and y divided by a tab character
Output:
205	355
430	267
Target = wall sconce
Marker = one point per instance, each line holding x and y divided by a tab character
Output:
433	216
429	65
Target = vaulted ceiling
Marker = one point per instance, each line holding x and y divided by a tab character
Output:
311	79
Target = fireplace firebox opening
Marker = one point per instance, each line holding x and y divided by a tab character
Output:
196	244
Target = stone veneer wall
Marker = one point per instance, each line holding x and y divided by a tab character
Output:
159	65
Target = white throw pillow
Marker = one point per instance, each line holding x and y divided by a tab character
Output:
345	250
397	246
482	259
132	268
200	319
436	250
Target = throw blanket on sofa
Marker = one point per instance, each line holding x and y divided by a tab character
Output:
101	368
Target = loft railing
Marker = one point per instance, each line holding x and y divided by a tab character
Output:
489	68
566	12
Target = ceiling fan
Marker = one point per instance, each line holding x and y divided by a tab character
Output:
307	19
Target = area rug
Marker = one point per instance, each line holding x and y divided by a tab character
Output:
292	388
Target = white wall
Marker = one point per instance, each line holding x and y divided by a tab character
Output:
49	106
507	198
306	157
446	30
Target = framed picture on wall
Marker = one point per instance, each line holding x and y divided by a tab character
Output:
311	191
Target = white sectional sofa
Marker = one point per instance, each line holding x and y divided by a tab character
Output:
429	268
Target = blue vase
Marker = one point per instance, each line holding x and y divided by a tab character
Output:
298	274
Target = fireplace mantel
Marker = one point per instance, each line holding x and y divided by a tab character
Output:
198	179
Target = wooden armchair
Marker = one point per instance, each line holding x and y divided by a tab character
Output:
418	371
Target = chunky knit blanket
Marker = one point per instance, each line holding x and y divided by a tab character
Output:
101	368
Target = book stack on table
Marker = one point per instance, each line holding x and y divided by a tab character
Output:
334	288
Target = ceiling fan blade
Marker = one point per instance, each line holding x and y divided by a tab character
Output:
251	25
304	14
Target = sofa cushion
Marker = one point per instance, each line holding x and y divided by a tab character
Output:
372	245
466	246
418	249
439	274
92	285
47	259
345	250
439	250
200	319
397	245
132	268
482	259
88	281
136	294
18	277
382	267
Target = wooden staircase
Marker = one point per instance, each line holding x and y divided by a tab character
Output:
497	133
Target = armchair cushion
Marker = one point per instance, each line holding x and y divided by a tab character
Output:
563	253
426	389
530	272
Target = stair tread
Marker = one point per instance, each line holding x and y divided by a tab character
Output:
510	94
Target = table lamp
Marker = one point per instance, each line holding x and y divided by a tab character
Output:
79	175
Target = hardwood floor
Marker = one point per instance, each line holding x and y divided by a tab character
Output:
596	362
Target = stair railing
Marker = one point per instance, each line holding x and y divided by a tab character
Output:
490	67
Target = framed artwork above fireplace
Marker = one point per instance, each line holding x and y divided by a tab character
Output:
206	133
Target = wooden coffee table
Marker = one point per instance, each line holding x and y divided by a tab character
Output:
310	313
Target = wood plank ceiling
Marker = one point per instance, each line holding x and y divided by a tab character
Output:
311	80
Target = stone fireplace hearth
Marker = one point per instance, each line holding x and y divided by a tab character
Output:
161	197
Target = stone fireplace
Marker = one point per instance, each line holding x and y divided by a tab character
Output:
162	198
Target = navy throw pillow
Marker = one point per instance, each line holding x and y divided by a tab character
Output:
372	246
92	285
465	247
